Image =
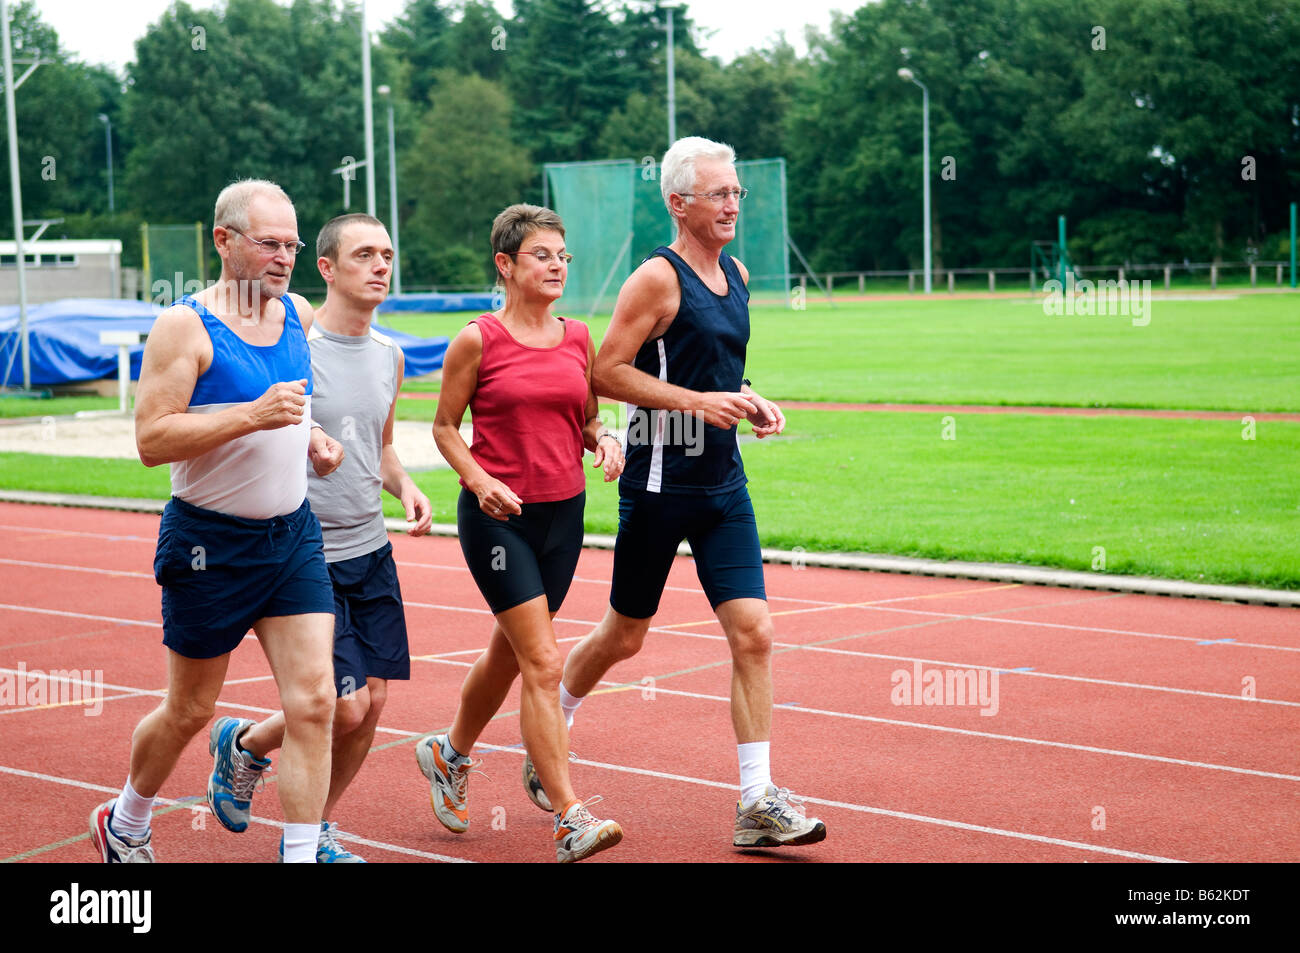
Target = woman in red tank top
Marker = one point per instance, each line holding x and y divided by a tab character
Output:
524	374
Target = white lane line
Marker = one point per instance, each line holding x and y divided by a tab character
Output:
1038	674
1113	752
816	605
199	805
781	645
68	568
80	615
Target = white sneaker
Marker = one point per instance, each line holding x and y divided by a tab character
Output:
776	820
578	835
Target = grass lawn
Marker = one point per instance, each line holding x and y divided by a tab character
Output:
1185	499
12	407
1238	354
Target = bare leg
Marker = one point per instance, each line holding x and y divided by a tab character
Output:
748	626
616	638
528	629
193	686
300	651
355	719
484	691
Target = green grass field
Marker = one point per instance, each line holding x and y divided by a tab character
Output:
1188	499
1237	354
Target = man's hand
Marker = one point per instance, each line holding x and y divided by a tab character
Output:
609	454
417	509
281	406
324	451
767	418
723	409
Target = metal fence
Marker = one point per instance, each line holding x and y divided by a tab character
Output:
1186	274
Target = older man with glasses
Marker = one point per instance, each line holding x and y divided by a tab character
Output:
675	351
225	398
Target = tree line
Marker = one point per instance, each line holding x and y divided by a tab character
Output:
1163	129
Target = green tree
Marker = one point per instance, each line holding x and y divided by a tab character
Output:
61	157
462	169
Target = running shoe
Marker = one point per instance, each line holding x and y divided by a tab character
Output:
776	820
114	848
330	851
448	786
235	774
533	786
578	835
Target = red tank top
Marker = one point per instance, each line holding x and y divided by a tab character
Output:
528	412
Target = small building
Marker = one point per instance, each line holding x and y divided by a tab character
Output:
62	268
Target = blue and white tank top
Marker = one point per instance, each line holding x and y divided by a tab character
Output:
261	474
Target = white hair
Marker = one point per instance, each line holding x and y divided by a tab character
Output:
232	204
677	171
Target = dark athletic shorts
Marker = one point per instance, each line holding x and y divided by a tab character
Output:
532	554
220	574
369	623
723	538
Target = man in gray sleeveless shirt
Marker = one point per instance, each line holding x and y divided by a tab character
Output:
357	373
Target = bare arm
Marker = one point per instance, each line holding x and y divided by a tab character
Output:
394	476
177	352
642	312
459	381
600	441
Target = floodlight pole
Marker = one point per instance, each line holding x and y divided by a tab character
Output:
15	191
369	110
108	148
910	77
672	84
1293	274
386	92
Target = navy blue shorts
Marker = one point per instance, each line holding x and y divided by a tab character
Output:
369	622
220	574
723	538
532	554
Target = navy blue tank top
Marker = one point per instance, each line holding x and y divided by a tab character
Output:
702	350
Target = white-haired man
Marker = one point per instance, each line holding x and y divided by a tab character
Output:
675	351
225	398
358	374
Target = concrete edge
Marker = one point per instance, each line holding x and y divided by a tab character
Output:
989	572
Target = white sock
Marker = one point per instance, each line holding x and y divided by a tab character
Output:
569	704
755	770
131	813
300	843
450	754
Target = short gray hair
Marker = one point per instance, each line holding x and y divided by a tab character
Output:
677	171
232	204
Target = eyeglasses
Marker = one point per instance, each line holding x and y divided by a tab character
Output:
544	257
717	198
270	245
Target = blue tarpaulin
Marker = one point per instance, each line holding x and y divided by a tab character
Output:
63	338
430	303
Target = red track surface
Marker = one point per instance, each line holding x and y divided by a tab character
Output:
1128	737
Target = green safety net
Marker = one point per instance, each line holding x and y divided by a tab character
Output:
173	257
614	217
595	201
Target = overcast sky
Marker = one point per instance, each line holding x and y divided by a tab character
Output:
105	31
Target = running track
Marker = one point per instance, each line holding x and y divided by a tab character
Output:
1122	730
